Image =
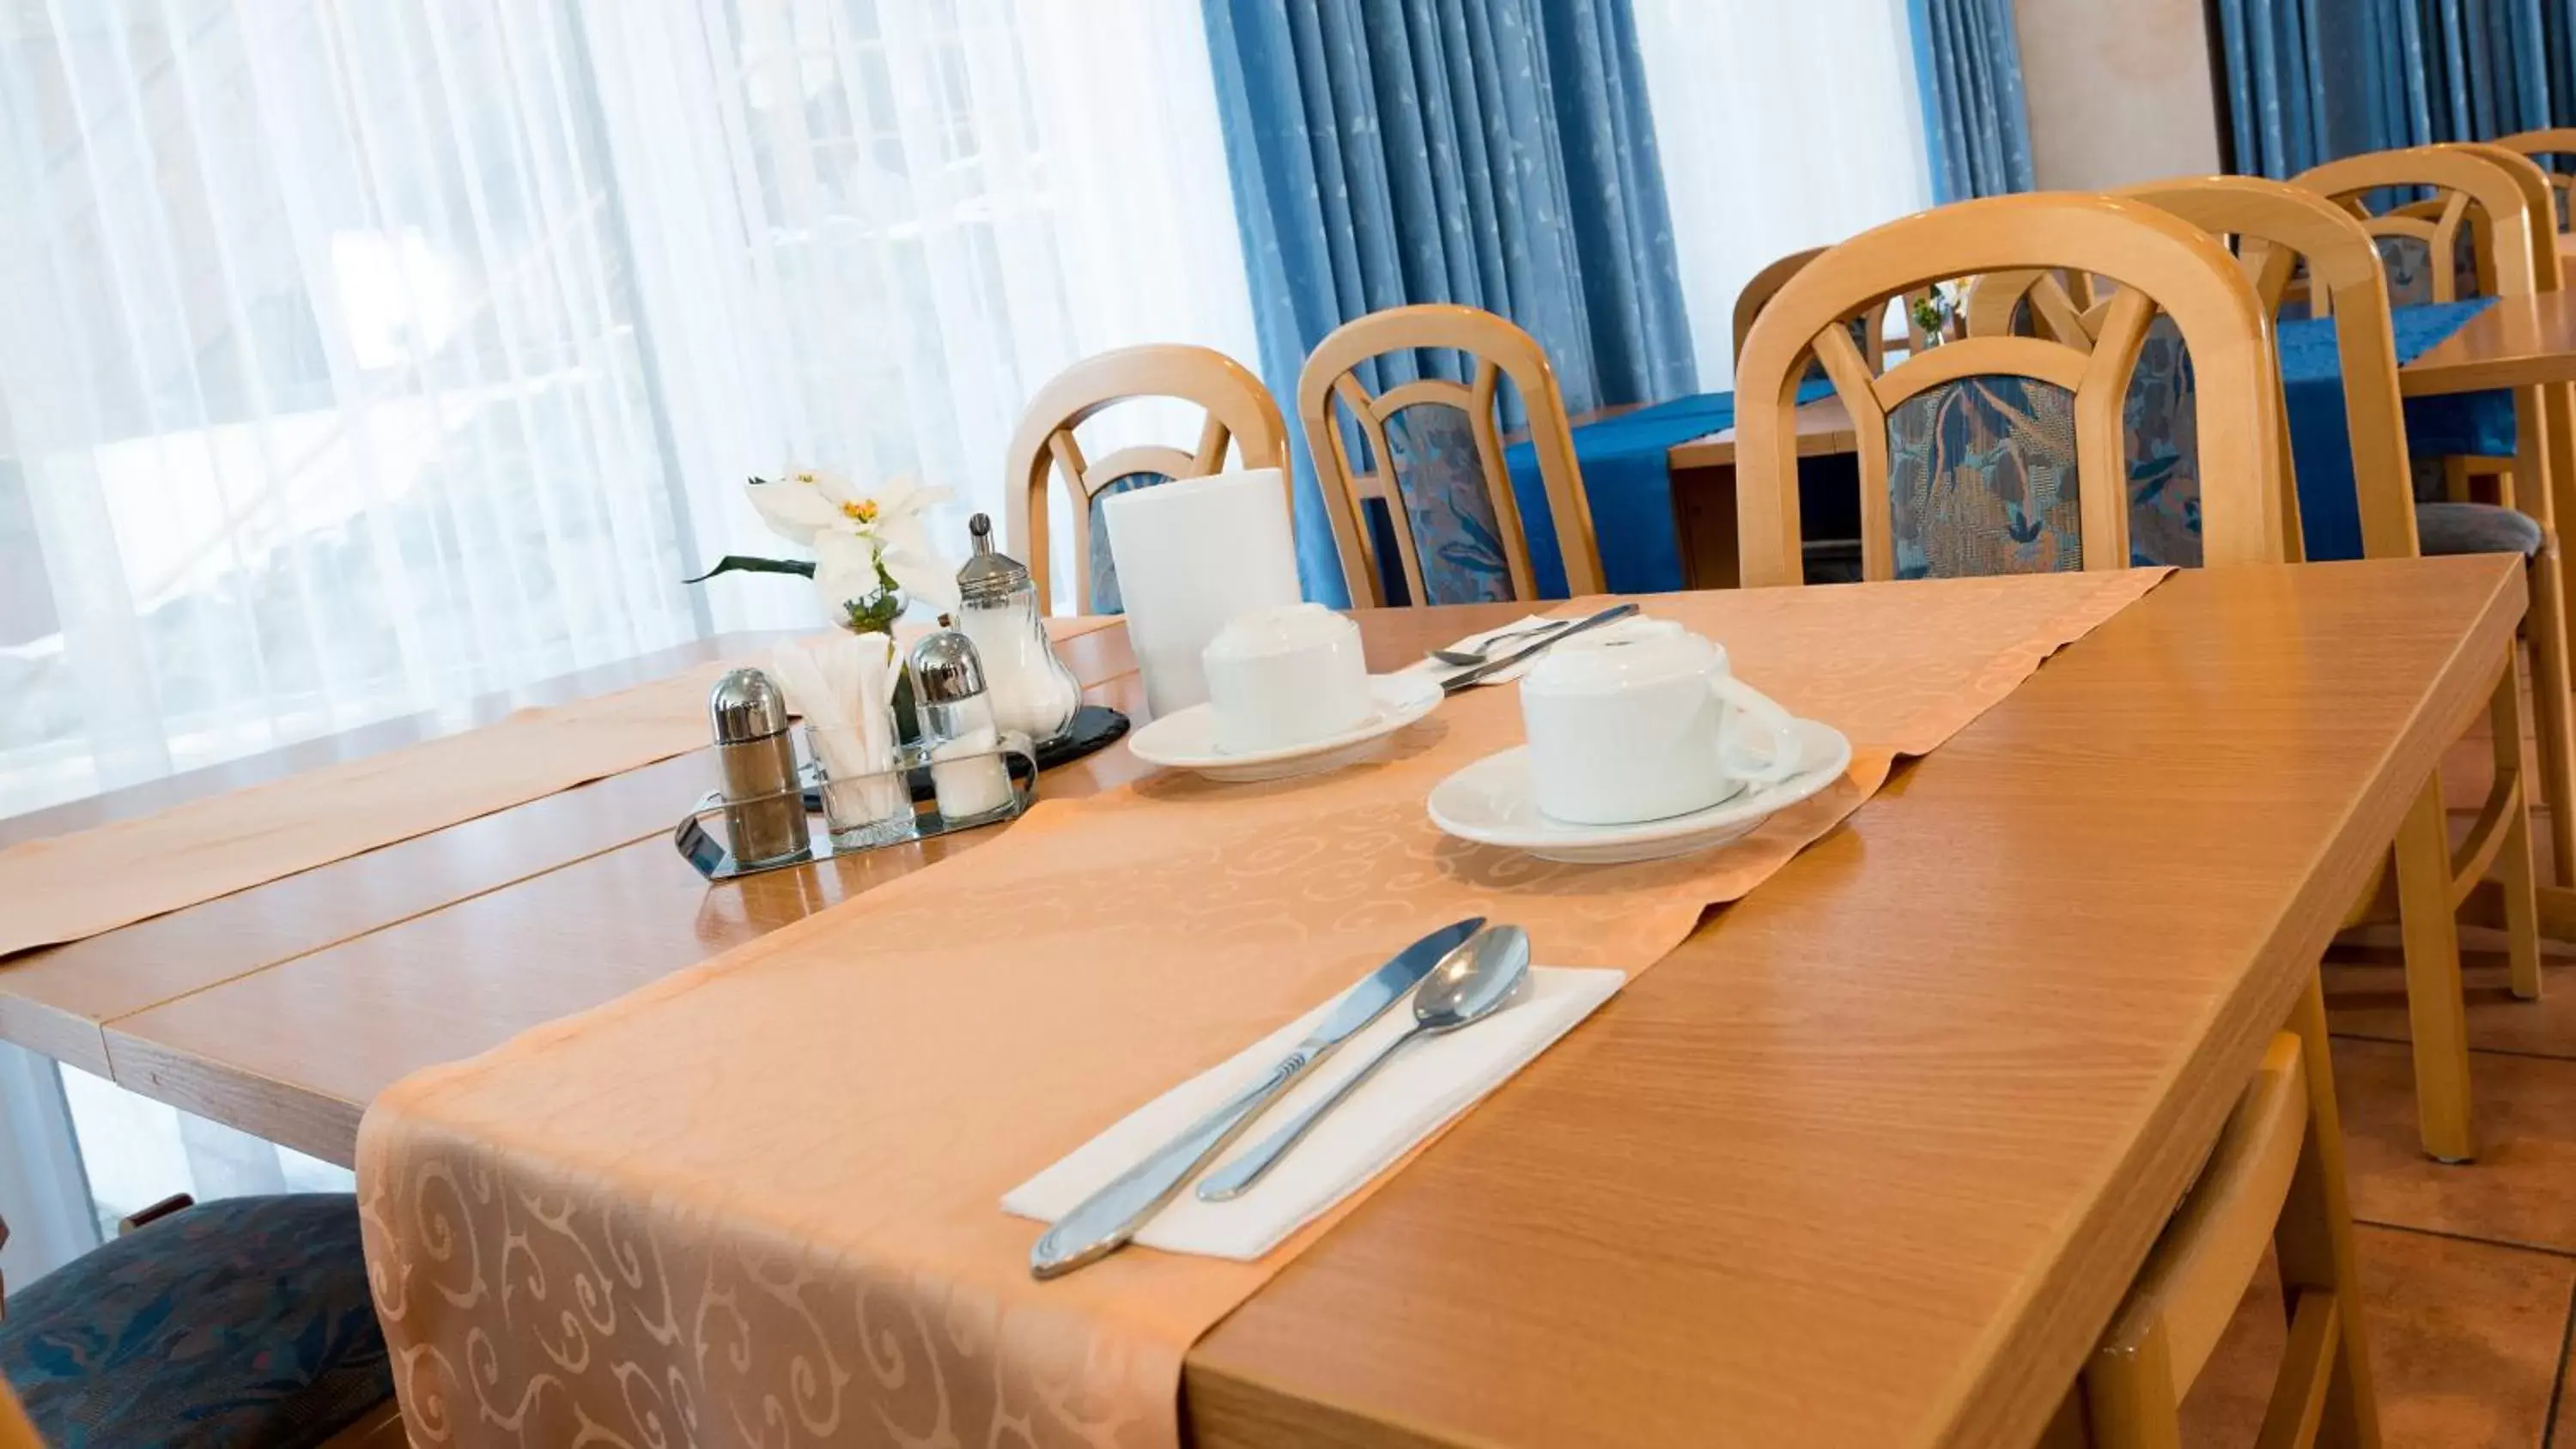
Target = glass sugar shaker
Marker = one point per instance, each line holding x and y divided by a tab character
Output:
764	814
958	726
999	609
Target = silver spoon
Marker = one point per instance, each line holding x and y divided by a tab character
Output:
1484	651
1487	972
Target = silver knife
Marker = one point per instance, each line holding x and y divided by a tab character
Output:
1101	1223
1466	677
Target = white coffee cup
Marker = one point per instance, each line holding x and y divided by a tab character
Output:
1643	720
1287	676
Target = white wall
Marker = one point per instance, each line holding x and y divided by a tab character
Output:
2118	92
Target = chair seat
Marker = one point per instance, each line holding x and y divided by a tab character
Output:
2450	528
244	1322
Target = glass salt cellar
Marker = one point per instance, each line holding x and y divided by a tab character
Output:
1032	690
958	727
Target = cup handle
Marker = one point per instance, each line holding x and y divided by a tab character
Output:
1756	711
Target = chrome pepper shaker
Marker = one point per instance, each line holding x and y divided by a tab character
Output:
969	780
764	808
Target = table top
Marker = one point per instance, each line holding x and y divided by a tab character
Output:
2518	342
1868	1162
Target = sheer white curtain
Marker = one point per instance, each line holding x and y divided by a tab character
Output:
868	230
363	356
1781	127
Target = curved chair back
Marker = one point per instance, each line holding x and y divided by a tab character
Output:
2277	228
2420	241
2548	266
1239	410
2554	150
1869	331
2003	454
1439	468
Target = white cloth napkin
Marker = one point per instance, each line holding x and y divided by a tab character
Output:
1439	672
843	685
1430	1082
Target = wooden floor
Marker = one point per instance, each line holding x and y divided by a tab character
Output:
2470	1272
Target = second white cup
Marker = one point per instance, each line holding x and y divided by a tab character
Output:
1287	676
1644	720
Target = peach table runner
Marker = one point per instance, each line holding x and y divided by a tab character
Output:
758	1202
78	885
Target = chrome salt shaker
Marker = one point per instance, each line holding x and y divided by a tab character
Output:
764	808
957	725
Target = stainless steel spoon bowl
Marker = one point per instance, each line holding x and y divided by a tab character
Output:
1486	973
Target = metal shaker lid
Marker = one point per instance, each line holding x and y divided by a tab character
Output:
945	667
988	577
746	705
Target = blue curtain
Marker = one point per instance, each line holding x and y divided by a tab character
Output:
2310	80
1493	153
1967	65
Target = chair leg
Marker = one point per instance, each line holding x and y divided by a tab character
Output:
2435	1009
2455	478
2546	626
2514	869
2314	1239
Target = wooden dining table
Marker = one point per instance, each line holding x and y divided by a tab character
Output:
1869	1161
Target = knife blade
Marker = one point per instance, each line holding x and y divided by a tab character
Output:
1466	677
1103	1222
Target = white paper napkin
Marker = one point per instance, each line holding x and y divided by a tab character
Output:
1439	672
1426	1085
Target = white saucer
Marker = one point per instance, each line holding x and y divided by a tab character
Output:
1187	740
1489	802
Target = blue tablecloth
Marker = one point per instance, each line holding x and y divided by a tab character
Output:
1630	489
2320	446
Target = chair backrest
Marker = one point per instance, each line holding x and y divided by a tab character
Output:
1438	454
2554	149
1239	409
1869	331
2420	239
2036	422
2548	265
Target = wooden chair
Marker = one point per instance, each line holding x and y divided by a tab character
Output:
1875	340
2556	144
1443	481
2279	231
1239	410
2276	1174
268	1298
2503	198
2048	409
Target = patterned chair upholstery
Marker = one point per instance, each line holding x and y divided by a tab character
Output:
1105	598
2161	413
238	1324
1982	479
1442	482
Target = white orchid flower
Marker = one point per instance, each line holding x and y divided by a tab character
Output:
854	531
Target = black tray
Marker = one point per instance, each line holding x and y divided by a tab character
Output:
1095	728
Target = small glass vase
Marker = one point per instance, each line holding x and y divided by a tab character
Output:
862	807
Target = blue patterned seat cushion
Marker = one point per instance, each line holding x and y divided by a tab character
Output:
1982	480
2451	528
1105	598
1442	480
243	1323
2162	432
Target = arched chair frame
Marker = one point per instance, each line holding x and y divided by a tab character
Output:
1874	340
2158	261
2558	141
1239	411
1499	350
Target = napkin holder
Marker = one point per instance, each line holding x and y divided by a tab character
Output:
702	843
